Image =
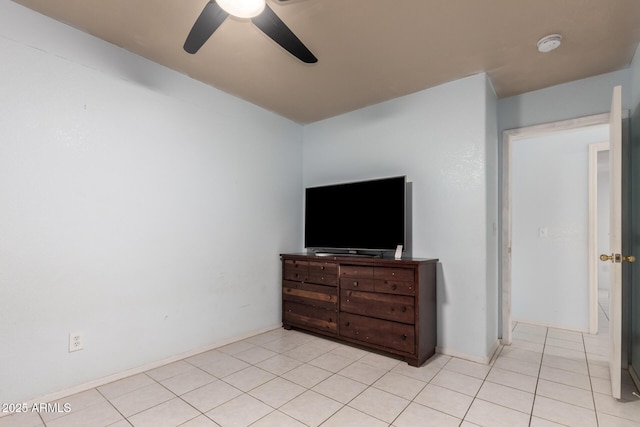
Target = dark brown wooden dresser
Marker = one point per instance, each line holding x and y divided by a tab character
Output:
384	304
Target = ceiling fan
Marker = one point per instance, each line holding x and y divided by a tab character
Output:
262	16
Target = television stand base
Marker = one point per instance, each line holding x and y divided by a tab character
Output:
346	254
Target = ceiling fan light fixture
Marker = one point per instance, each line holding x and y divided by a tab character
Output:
242	8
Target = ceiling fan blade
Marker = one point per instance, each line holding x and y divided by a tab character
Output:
209	20
270	24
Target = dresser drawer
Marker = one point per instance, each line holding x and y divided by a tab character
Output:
397	336
394	287
359	271
314	317
391	273
355	283
325	273
382	306
313	295
296	270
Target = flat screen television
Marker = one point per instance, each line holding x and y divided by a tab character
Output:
364	215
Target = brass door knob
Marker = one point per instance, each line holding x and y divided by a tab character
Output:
605	257
617	258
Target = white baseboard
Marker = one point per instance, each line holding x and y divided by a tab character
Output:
484	360
493	353
550	325
139	369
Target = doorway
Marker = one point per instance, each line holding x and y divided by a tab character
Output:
551	234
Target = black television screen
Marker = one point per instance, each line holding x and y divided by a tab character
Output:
357	215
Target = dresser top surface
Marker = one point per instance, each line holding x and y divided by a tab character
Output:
359	260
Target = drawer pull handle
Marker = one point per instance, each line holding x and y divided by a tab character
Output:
404	337
404	309
355	284
394	287
346	324
322	267
348	300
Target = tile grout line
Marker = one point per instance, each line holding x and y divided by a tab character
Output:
281	377
247	392
42	419
310	389
485	380
535	390
108	401
113	406
568	385
422	389
368	386
479	388
518	372
180	396
593	398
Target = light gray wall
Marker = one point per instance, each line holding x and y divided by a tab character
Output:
444	140
571	100
550	194
136	205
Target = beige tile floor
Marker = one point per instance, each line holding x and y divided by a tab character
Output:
547	377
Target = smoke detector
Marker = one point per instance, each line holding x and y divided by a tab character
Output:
549	43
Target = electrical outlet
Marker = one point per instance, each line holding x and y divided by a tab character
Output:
76	341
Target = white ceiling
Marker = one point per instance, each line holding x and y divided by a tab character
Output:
369	51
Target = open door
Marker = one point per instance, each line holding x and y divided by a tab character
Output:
615	241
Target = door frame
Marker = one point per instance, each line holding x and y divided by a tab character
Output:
594	149
508	138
